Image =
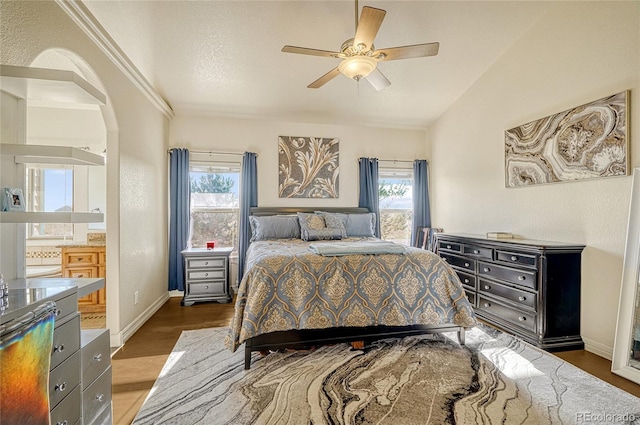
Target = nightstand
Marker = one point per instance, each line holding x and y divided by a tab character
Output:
206	275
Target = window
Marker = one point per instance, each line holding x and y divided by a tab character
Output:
49	189
215	203
396	204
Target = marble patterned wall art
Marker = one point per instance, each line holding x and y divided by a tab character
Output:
308	167
585	142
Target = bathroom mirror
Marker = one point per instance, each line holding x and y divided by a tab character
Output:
626	348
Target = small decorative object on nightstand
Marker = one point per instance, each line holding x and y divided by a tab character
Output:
206	275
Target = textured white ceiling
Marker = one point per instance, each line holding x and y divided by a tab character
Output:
224	58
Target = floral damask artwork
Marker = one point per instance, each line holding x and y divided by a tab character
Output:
585	142
308	167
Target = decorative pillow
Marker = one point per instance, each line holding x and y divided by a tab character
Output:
322	234
274	227
311	221
361	225
335	221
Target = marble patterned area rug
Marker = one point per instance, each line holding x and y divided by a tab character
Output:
430	379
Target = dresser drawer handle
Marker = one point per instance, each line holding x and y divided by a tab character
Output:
97	357
445	259
206	287
521	298
206	275
58	348
80	275
487	286
58	312
514	258
466	264
100	397
476	251
466	280
486	269
522	278
61	387
522	319
80	258
65	422
448	246
206	263
487	304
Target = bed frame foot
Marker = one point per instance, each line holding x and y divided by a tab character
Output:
461	335
357	345
247	357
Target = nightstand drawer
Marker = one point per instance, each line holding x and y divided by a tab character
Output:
96	355
209	288
206	262
80	258
66	341
512	315
205	274
65	307
96	397
524	278
523	298
64	378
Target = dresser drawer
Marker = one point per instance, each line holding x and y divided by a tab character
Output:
65	307
95	354
467	280
69	410
449	246
209	288
105	417
66	340
454	260
205	274
524	320
214	262
522	298
471	296
477	251
525	278
517	258
64	379
96	397
80	258
102	258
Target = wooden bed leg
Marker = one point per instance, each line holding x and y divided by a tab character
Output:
461	335
357	345
247	357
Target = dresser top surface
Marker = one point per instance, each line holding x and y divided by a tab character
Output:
512	241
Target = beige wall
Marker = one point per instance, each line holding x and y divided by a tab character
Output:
137	140
239	135
578	52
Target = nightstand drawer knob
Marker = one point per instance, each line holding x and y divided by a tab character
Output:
475	251
521	298
58	312
487	286
100	397
521	278
487	304
61	387
522	318
65	422
486	269
206	287
206	263
514	258
58	348
97	357
206	275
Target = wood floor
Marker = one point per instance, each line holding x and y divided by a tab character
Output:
137	365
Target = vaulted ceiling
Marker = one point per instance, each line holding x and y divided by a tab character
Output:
224	57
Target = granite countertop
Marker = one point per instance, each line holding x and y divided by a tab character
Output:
82	245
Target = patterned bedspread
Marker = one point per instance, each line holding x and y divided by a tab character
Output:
286	286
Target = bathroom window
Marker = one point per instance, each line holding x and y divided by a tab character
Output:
49	189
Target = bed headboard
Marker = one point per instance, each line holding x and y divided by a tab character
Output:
262	211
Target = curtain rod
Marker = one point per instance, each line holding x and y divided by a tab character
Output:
210	152
397	160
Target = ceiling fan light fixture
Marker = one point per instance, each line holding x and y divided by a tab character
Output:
357	67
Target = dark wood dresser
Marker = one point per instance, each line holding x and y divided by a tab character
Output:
524	287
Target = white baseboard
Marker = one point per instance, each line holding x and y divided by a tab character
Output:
118	340
598	348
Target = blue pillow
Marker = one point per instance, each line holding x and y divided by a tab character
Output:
328	233
274	227
361	224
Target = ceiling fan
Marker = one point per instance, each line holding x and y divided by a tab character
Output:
360	57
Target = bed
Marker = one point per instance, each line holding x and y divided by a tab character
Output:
299	294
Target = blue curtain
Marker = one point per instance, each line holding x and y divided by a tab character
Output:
248	199
368	170
179	194
421	209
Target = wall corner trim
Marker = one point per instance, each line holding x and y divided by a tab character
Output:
96	32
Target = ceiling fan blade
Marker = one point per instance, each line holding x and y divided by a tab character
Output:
408	52
370	21
378	80
312	52
325	78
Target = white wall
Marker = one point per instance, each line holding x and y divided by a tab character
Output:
578	52
137	139
239	135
